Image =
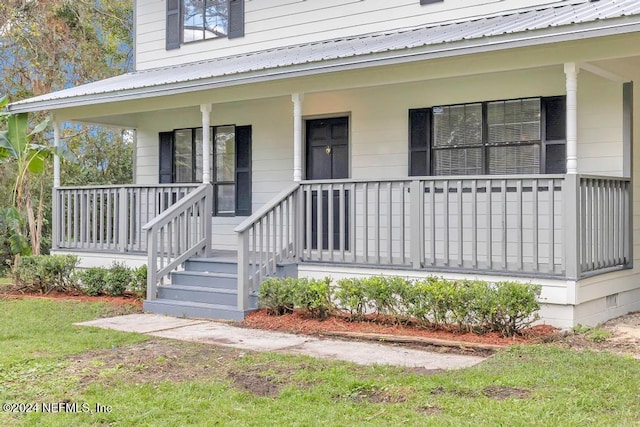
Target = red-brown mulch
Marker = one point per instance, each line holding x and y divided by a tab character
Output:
298	323
127	299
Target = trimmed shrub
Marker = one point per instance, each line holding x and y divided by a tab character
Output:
516	307
351	296
94	280
139	285
46	273
119	278
314	297
277	295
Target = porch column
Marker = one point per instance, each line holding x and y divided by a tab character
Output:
206	136
571	71
56	158
297	99
55	217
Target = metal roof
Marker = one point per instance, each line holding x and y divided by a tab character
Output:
533	25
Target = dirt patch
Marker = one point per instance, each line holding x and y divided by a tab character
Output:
502	393
620	336
298	323
258	385
153	361
377	395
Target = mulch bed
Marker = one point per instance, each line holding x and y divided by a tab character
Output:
127	299
297	322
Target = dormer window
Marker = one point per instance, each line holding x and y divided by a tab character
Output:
196	20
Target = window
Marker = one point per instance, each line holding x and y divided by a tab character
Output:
181	162
204	19
518	136
195	20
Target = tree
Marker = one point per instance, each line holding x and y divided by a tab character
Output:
28	158
48	45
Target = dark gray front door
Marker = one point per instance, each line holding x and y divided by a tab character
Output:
328	158
328	148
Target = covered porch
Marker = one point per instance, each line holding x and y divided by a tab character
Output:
572	231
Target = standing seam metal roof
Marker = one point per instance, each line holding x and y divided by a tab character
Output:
519	21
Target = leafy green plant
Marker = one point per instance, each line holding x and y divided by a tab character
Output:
277	295
516	307
314	296
46	273
118	278
94	280
139	284
598	335
351	296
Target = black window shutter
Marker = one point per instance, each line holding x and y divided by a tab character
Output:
555	134
243	170
419	142
236	19
173	24
166	158
555	115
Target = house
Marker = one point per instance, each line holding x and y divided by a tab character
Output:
491	139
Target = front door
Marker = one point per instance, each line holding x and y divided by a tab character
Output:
328	158
328	148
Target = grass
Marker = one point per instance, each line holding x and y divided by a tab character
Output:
148	381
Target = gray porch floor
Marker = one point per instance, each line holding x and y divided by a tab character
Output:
210	332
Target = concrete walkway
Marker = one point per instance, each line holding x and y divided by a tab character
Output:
210	332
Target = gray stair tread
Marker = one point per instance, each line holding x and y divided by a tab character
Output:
214	260
207	274
199	289
163	301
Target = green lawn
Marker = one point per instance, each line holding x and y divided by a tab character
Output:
147	381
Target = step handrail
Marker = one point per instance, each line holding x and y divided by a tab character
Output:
259	251
191	218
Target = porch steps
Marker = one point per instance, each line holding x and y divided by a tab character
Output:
206	288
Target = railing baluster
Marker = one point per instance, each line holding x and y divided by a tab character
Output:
342	230
519	235
551	213
503	198
390	222
445	204
308	222
535	229
489	225
376	218
352	222
474	224
402	192
365	205
460	232
330	220
432	209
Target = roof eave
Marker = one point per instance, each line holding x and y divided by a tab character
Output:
486	44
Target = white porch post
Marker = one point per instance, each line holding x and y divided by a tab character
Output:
56	158
571	70
206	136
297	99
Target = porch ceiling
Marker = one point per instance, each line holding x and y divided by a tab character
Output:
563	21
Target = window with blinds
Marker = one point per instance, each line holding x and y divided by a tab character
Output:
516	136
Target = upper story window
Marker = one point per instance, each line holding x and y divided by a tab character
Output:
195	20
204	19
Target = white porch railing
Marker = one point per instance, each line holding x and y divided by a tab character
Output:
177	234
109	218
